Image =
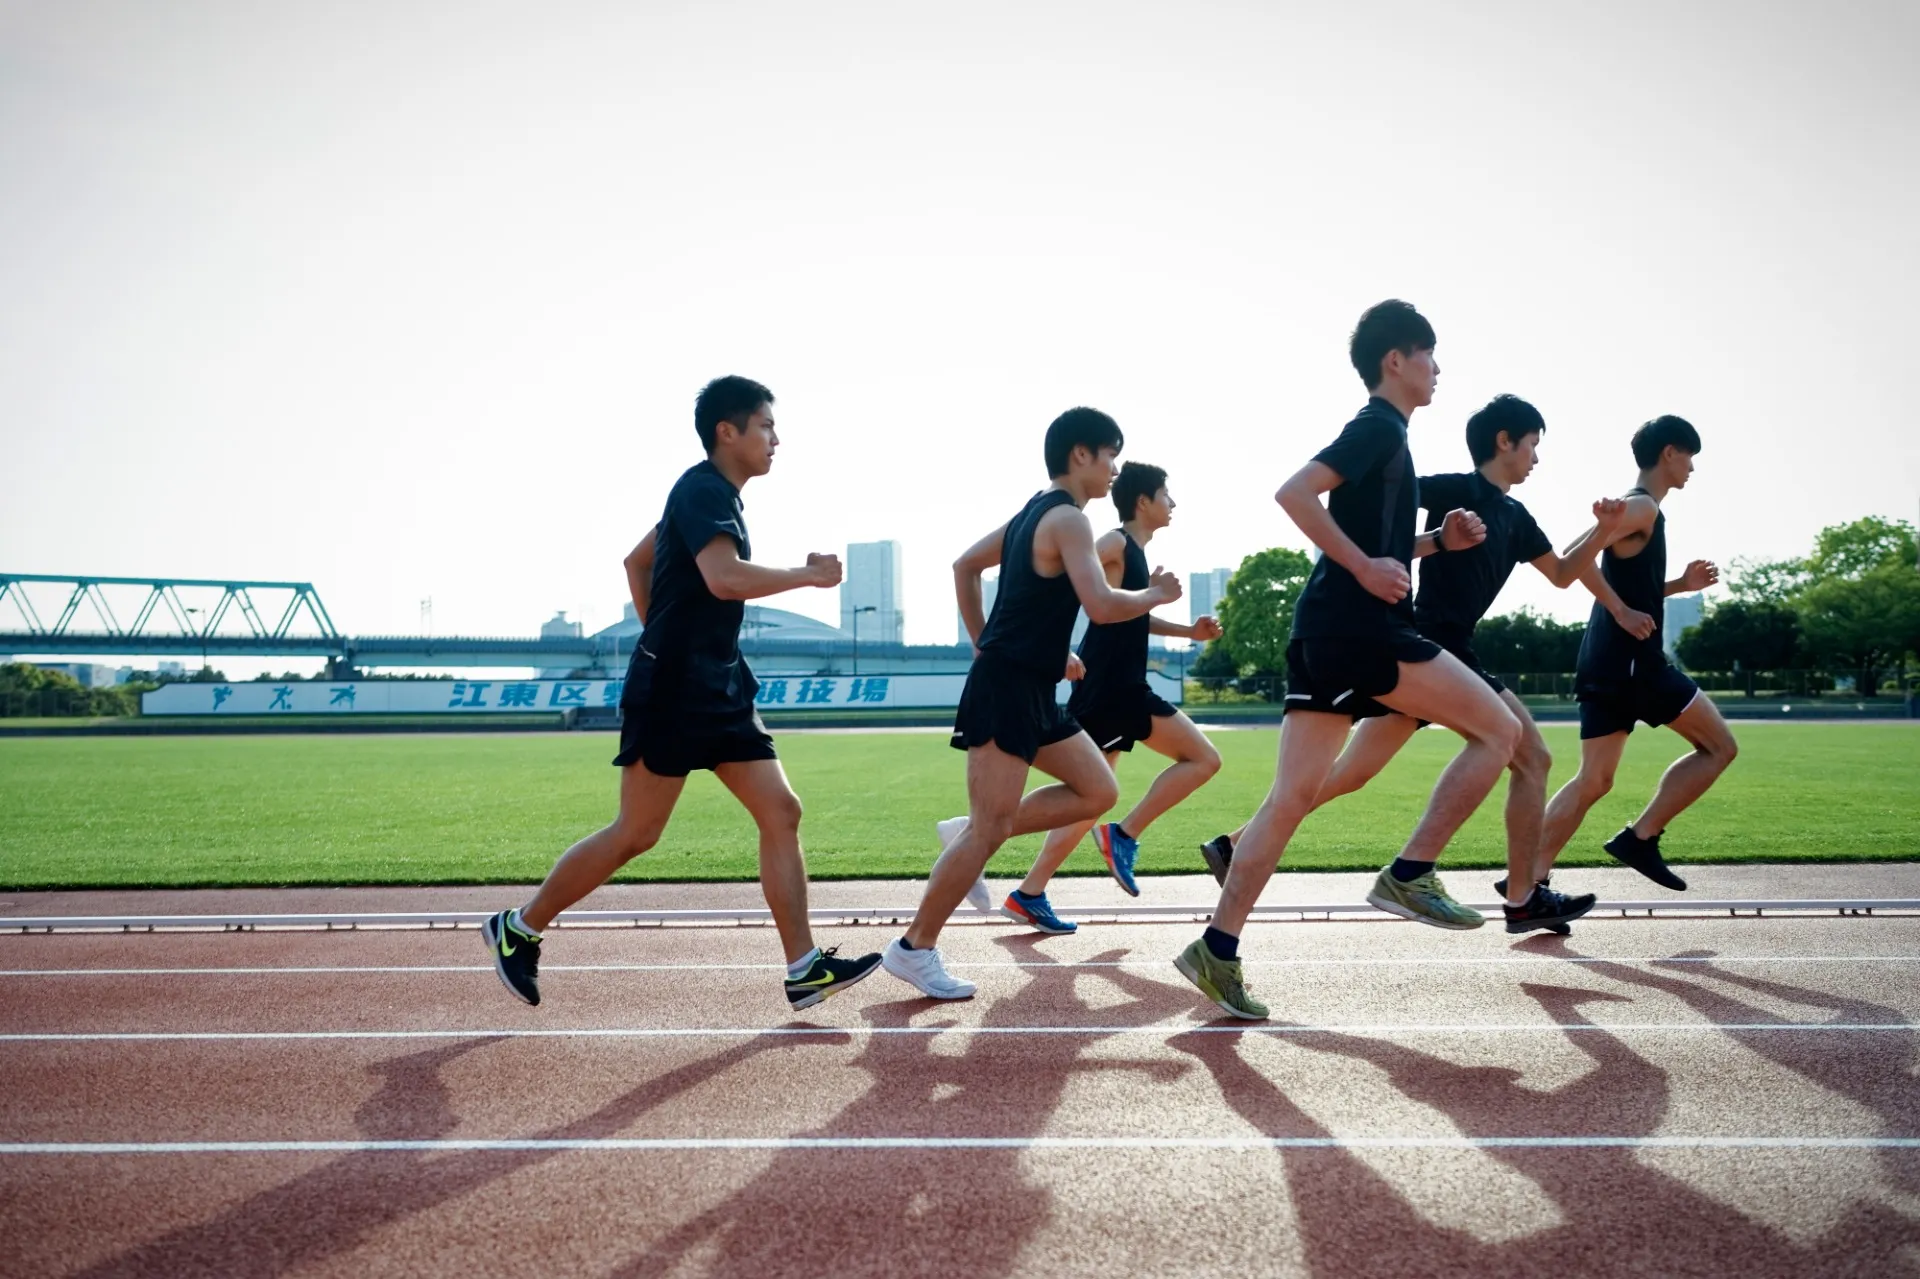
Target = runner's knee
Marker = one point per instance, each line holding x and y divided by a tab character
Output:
992	829
1502	734
1101	793
1531	759
1207	761
635	838
782	813
1594	784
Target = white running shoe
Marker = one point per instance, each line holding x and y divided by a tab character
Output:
922	970
980	897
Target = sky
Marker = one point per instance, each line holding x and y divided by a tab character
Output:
412	300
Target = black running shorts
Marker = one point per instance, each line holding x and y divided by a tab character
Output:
1117	718
670	745
1651	692
1009	707
1343	676
1459	641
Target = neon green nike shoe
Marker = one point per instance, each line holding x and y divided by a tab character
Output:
1424	899
828	975
1219	980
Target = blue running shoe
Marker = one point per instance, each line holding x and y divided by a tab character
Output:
1036	913
1119	848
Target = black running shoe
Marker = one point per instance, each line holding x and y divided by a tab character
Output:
1549	910
1644	856
516	956
1219	854
828	976
1500	885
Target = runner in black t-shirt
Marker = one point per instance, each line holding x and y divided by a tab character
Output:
1008	719
1456	590
1116	706
688	702
1355	653
1624	675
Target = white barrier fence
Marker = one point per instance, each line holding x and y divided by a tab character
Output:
493	696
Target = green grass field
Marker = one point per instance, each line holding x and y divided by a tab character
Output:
406	809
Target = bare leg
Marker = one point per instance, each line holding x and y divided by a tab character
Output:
1195	761
1061	841
1370	749
1688	777
1309	743
1446	692
761	787
646	802
1526	801
997	813
1599	759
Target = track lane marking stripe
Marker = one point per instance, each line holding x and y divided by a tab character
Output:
1343	962
951	1143
1388	1029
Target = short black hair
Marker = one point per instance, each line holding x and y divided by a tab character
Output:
1651	440
1075	427
1508	413
1137	480
1392	325
727	399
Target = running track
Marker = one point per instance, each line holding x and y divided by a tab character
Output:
1648	1097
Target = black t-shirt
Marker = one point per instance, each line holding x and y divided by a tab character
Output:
1377	505
1032	621
1607	651
689	657
1116	653
1458	587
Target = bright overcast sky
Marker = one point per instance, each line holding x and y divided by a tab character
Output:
413	299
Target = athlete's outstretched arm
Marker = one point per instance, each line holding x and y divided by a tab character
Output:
639	565
1072	536
1203	628
967	570
1299	497
1564	570
731	578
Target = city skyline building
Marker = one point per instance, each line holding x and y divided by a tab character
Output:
874	582
1205	591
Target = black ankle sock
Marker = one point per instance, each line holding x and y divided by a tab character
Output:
907	945
1223	945
1124	832
1028	897
1406	872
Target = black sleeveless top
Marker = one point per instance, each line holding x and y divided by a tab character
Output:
1641	583
1032	622
1116	654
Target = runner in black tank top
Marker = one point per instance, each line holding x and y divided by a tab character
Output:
1117	706
1009	718
1624	676
1032	623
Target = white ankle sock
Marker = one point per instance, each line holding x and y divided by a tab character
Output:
798	968
513	917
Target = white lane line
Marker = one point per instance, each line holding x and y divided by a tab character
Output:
856	1032
951	1143
1491	961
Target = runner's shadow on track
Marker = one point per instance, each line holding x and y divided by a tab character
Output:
1873	1069
1617	1215
853	1212
336	1207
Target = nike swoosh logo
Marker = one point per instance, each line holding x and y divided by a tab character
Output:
506	951
818	981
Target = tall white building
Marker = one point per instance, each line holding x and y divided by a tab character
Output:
1205	591
1681	611
989	587
874	581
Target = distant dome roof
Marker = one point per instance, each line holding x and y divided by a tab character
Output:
760	623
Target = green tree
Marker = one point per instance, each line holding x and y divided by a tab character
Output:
1865	623
1854	550
1257	610
1215	662
1526	641
1743	635
1767	581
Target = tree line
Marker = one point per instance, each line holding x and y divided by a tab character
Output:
1851	605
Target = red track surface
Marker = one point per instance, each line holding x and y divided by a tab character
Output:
1677	1030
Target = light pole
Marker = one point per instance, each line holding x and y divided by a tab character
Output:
866	608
